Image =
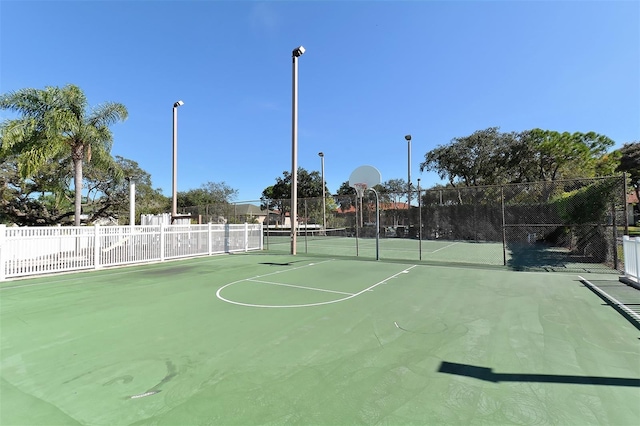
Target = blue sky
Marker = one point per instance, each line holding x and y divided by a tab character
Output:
373	72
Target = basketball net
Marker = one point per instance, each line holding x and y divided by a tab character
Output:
360	188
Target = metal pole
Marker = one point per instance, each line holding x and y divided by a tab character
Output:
294	149
356	222
419	222
306	223
324	207
377	224
294	157
409	174
615	235
408	138
361	212
504	230
174	202
132	201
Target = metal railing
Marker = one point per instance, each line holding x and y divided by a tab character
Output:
44	250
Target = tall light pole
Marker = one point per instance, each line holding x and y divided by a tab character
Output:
174	202
324	207
297	52
419	221
408	138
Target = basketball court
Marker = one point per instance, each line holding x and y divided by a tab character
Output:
272	339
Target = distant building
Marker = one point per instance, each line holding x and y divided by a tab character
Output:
250	213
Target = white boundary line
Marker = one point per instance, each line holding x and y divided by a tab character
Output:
442	248
298	286
611	298
253	305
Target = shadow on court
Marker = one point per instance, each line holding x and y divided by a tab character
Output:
487	374
541	257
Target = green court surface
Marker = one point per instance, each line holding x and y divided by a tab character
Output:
527	257
278	339
393	248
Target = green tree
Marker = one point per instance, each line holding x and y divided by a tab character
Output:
567	155
209	193
278	196
489	157
149	200
630	164
607	165
395	189
43	199
212	200
345	195
477	159
108	191
54	124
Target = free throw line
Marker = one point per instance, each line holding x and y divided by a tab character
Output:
298	286
350	296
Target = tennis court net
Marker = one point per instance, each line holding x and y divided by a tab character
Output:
274	237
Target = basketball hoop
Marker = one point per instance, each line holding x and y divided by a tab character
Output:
360	189
361	179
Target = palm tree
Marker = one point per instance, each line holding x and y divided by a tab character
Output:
54	125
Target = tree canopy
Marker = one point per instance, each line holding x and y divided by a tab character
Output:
108	194
55	126
630	164
489	157
208	193
309	186
46	198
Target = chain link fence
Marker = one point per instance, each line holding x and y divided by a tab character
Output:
572	225
559	225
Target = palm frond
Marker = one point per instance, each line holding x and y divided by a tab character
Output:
14	133
107	114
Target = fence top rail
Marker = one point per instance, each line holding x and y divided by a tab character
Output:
84	231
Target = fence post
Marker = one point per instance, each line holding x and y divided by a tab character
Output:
631	253
637	257
226	238
504	230
96	246
162	238
246	236
615	237
3	240
624	203
625	253
262	236
209	238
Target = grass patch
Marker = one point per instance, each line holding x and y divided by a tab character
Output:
634	231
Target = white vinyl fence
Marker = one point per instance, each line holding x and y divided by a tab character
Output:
43	250
631	251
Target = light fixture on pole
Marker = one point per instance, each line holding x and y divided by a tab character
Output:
324	206
297	52
408	138
174	202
